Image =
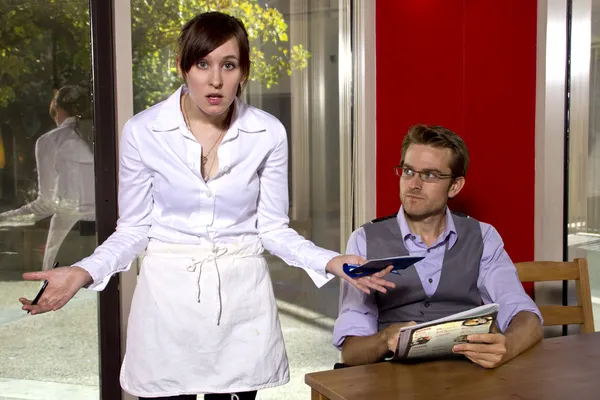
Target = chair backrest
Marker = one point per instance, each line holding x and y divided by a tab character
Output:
577	270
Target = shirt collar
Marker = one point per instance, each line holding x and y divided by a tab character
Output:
449	231
170	117
68	121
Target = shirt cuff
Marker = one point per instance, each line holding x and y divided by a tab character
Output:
352	324
316	270
95	269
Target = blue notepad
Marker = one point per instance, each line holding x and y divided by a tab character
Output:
376	265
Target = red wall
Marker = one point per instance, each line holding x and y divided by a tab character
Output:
468	65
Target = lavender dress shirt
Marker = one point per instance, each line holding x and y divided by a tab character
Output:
498	281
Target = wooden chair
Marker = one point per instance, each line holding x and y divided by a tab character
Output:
577	270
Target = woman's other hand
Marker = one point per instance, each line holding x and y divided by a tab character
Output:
63	284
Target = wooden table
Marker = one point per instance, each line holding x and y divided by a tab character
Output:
559	368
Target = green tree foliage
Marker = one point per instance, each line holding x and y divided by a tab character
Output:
46	42
42	43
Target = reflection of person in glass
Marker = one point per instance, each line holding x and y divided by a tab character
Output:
65	167
203	190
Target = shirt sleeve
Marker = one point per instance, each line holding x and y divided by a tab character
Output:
273	205
44	205
499	282
358	314
135	205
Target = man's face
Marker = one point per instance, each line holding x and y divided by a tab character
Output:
423	199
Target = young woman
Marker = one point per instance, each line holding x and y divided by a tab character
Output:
203	189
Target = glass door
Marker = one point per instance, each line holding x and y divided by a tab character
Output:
47	196
583	200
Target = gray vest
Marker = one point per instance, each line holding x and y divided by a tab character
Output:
457	290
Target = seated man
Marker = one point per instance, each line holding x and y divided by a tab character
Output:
465	264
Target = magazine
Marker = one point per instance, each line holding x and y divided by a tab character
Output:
436	338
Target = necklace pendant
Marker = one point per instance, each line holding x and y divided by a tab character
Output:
203	160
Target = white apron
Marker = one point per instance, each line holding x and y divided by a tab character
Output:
203	320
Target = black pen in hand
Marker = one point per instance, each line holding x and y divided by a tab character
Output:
41	292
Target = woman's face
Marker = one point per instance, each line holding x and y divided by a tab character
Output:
213	82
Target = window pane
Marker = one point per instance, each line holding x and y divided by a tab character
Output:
307	103
584	166
46	196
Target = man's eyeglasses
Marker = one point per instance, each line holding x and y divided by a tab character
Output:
426	176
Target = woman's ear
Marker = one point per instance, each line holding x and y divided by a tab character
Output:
456	186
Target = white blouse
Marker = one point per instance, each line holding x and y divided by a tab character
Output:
163	196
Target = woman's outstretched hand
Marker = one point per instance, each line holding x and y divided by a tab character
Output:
365	283
63	284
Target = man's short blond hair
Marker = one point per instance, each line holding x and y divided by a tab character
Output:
439	137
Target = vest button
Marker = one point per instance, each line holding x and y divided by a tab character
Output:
426	304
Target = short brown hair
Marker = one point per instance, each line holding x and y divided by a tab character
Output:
440	137
207	31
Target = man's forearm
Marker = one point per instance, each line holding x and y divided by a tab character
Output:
359	350
524	331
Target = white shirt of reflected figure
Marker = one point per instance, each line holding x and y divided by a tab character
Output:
65	167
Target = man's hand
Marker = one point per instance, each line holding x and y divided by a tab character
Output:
365	283
391	333
63	284
488	350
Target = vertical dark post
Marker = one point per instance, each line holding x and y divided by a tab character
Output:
103	70
567	155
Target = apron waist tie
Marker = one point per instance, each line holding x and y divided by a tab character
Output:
217	252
